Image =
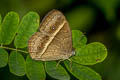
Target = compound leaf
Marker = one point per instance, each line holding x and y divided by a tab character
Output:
90	54
79	39
82	72
28	25
34	69
17	63
57	72
9	27
3	57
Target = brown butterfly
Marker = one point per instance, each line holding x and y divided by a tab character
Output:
54	39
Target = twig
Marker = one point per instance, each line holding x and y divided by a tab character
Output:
13	49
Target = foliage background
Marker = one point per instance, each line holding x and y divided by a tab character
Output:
98	19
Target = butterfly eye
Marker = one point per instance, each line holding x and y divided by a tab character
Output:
53	28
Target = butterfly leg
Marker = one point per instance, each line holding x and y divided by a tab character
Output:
59	62
70	64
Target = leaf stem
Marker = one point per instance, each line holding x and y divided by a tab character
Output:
13	49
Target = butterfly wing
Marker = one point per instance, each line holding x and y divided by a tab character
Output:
54	41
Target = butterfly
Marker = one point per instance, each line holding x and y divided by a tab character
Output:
54	39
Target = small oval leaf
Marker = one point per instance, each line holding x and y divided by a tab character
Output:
9	27
34	69
28	25
79	39
57	72
0	29
3	57
17	63
90	54
82	72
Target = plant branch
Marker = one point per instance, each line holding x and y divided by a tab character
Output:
13	49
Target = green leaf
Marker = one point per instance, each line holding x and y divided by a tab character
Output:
82	72
17	63
34	69
0	29
28	26
9	27
81	18
79	39
3	57
57	72
90	54
0	19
